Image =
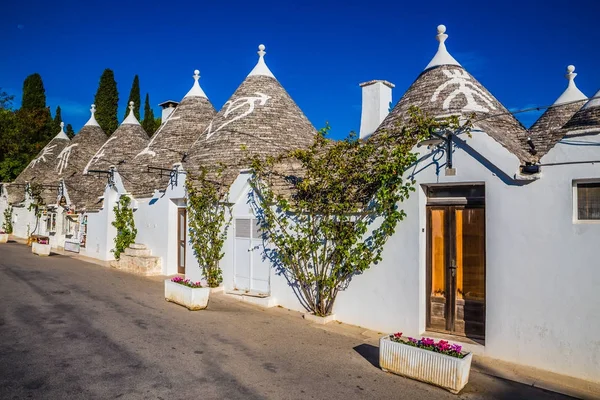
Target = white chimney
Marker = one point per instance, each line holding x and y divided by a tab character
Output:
376	103
167	109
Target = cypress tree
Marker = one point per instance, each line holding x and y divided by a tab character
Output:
134	95
107	102
148	123
34	94
57	119
70	132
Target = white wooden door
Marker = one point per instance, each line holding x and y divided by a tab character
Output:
251	271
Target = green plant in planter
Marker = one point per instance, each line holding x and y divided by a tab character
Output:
7	226
209	218
340	204
125	225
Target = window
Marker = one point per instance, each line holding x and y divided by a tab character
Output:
51	223
588	201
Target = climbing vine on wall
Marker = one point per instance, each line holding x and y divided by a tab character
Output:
125	225
327	210
7	224
209	218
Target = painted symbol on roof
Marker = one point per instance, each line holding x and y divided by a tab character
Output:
99	155
63	158
47	151
465	87
237	104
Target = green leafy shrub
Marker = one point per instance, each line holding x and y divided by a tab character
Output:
209	218
125	225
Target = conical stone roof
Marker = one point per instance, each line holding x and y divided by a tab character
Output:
82	189
546	131
445	88
120	150
260	118
175	136
586	120
42	169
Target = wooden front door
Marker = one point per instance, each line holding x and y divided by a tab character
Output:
181	239
456	269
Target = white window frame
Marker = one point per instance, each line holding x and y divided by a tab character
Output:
576	219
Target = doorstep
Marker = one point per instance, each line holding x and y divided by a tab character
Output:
259	299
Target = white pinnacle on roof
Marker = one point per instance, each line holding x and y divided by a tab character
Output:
92	121
261	68
62	134
594	102
572	92
196	90
442	57
131	119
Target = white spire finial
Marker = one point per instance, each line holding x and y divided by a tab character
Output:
62	134
572	93
261	68
196	90
131	119
442	57
92	121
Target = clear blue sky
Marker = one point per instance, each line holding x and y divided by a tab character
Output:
319	50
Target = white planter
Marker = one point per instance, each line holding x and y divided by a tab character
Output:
191	298
3	237
448	372
40	249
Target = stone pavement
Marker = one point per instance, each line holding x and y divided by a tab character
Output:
75	330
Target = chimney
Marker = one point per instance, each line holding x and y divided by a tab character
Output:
167	109
376	103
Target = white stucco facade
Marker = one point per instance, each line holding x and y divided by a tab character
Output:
541	279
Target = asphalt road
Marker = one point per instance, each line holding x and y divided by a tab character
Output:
74	330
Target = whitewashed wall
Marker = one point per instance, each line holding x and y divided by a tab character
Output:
156	223
100	232
542	268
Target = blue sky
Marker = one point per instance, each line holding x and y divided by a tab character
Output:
319	50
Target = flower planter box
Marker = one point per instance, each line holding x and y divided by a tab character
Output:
191	298
449	372
40	249
3	237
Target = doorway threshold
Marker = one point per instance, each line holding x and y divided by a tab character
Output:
475	346
259	299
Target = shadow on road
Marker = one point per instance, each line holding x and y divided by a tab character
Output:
369	353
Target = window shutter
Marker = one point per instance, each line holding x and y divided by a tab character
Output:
588	201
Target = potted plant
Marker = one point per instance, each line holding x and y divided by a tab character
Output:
439	363
191	295
40	245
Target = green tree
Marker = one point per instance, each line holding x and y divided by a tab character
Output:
342	206
125	224
57	120
134	95
209	218
34	94
107	102
70	132
149	122
6	100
